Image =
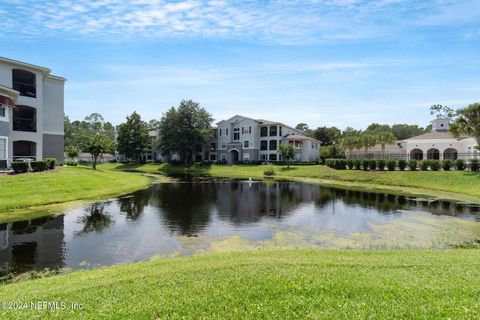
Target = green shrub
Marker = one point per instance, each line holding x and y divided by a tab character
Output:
434	165
447	164
330	163
340	164
460	164
412	165
269	170
424	165
71	163
350	164
391	165
51	163
38	165
402	164
365	164
358	164
381	164
372	164
473	165
19	167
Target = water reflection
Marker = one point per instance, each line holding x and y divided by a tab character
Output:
158	220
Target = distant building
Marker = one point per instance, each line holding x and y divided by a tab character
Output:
438	144
87	157
243	139
31	113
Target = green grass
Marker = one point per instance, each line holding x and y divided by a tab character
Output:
282	284
445	184
63	185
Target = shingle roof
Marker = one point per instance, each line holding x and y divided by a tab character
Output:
436	135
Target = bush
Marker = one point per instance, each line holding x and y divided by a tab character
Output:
38	165
391	165
340	164
350	164
434	165
381	164
51	163
412	165
330	163
460	164
424	165
70	163
358	164
269	170
19	167
474	165
402	164
365	164
447	164
372	164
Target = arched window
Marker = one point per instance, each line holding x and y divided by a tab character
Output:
450	154
24	82
25	119
433	154
416	154
24	150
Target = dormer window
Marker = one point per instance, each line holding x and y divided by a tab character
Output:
24	82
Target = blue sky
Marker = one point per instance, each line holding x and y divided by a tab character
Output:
332	62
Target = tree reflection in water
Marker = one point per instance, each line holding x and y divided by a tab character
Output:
95	219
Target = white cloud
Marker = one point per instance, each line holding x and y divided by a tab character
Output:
291	21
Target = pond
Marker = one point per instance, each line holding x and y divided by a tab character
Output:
184	218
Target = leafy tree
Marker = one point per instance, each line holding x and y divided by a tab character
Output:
133	140
385	138
184	128
405	131
327	135
96	145
442	112
304	127
288	152
350	142
467	122
77	132
72	151
367	140
375	128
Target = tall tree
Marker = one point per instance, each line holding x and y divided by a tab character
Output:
182	129
96	145
327	135
288	152
405	131
350	142
132	139
384	138
305	128
367	140
467	122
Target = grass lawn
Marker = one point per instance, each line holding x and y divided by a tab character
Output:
62	185
319	284
455	185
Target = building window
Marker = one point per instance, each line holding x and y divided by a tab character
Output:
280	130
273	145
213	146
213	157
25	119
264	132
246	157
272	157
249	129
24	82
224	157
2	112
273	131
236	134
3	148
219	132
226	132
264	145
246	144
263	157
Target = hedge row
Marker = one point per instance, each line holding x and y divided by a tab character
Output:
35	166
392	165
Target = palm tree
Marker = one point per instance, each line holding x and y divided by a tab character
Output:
384	138
467	122
349	143
367	140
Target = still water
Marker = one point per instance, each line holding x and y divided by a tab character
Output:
184	218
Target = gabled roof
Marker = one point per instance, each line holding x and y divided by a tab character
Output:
436	135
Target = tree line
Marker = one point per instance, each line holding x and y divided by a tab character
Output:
184	129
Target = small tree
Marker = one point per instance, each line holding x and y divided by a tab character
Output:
132	138
288	152
350	142
367	140
384	138
96	145
72	151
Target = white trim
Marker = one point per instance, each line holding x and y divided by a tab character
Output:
6	147
59	133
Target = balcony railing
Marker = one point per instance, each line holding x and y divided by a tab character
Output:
25	89
24	124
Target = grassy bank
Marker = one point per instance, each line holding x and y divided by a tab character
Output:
62	185
455	185
268	284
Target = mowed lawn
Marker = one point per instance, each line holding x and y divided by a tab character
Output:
282	284
462	185
65	184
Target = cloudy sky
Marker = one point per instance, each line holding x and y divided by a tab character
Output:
331	62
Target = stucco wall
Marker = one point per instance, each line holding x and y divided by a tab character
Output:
53	146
